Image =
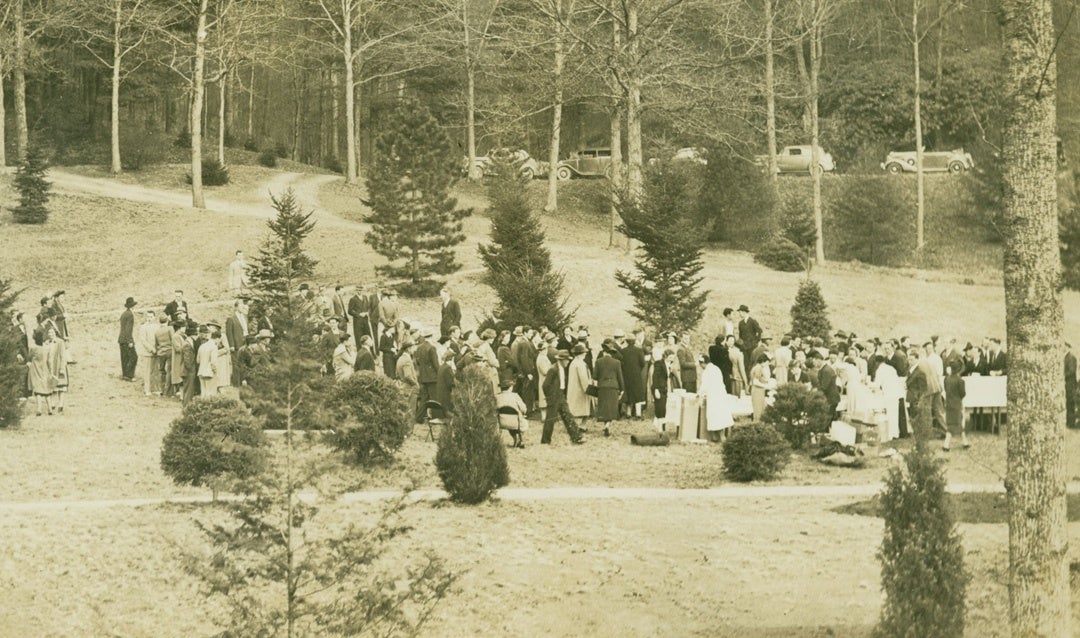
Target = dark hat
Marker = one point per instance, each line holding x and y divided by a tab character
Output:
671	335
579	348
57	293
191	331
609	344
130	303
213	324
766	338
487	334
743	308
562	355
840	334
968	346
853	336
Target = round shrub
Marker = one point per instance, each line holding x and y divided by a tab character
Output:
281	150
251	144
796	412
780	253
754	452
471	459
373	418
922	560
141	147
214	173
268	159
213	438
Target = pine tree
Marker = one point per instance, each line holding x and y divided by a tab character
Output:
808	316
281	264
33	189
12	370
518	262
415	222
669	260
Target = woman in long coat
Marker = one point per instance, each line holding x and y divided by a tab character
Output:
717	411
577	380
502	354
760	381
39	380
609	385
543	364
58	367
344	357
633	369
665	379
955	391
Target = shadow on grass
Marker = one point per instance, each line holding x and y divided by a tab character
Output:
968	508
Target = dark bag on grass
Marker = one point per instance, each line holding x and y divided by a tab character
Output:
650	440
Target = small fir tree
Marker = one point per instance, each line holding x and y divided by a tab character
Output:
808	313
415	222
34	189
669	260
471	458
281	264
529	292
12	360
922	560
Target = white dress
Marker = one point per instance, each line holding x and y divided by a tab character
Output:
892	390
717	411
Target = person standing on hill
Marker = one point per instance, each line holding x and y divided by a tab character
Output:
39	378
59	315
609	385
188	367
444	384
687	364
129	358
178	303
358	310
337	304
236	332
426	359
451	314
207	362
555	384
955	391
633	367
749	330
390	314
238	277
163	354
523	353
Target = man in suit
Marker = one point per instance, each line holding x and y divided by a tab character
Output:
374	302
178	303
555	394
523	359
444	384
918	389
633	367
337	302
365	356
996	360
358	310
1070	386
129	358
426	359
826	382
163	354
898	360
236	332
188	365
451	314
749	330
951	357
390	313
935	384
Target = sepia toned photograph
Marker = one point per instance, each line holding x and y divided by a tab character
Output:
552	318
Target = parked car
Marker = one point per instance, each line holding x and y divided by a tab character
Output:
484	166
588	162
797	159
954	161
694	154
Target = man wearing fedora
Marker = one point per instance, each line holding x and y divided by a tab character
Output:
555	384
129	358
749	330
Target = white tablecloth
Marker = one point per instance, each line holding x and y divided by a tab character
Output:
984	392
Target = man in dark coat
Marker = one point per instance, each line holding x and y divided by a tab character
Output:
1070	386
687	364
444	384
426	359
899	361
358	310
633	367
826	382
451	314
178	303
918	396
365	356
523	356
749	330
128	357
188	368
996	360
555	394
236	333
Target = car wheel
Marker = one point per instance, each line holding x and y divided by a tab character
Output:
893	168
817	170
527	173
563	173
956	167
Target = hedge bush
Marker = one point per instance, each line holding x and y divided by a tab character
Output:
780	253
736	200
874	220
268	159
796	412
373	418
214	438
754	452
922	560
214	173
140	147
471	459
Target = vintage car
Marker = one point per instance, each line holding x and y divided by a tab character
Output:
797	159
954	161
695	154
485	165
588	162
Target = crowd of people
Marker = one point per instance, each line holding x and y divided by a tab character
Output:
535	372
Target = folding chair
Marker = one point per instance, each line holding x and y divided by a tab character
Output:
432	408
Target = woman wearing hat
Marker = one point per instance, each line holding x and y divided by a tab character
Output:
58	366
344	357
516	424
578	381
609	385
665	379
760	382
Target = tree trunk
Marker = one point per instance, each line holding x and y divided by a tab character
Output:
3	118
298	121
114	121
222	102
335	130
1036	478
770	96
617	173
556	113
634	156
940	45
198	89
920	181
815	151
18	75
470	98
251	105
351	168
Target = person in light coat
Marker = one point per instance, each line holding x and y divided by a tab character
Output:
147	347
207	361
578	380
543	364
344	357
718	416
